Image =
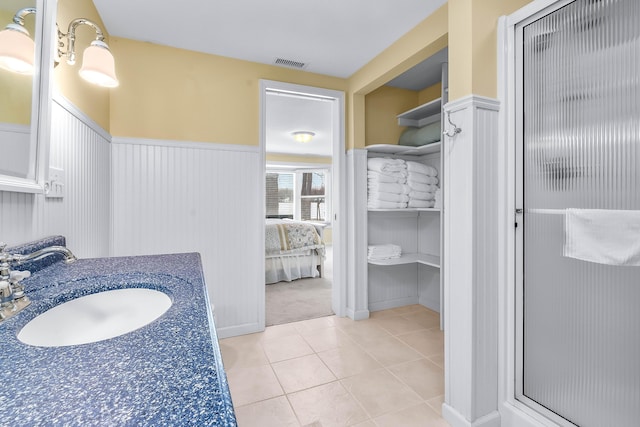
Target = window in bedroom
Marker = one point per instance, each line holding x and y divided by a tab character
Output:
312	196
280	194
302	195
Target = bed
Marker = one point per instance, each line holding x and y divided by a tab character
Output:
293	250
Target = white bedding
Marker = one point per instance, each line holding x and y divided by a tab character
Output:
293	250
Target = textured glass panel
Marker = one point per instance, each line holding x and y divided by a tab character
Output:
581	333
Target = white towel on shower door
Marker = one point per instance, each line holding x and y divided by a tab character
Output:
603	236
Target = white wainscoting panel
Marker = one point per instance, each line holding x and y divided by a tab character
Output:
82	149
471	264
171	197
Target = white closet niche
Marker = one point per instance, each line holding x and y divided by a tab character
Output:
414	278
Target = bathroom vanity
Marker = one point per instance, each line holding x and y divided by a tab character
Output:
168	372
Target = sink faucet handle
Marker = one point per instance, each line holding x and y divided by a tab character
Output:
16	276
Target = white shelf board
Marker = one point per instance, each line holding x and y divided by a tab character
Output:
416	116
426	259
405	150
405	210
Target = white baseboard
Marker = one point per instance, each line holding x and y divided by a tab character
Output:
358	315
456	419
431	304
232	331
393	303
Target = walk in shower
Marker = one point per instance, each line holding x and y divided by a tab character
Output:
578	185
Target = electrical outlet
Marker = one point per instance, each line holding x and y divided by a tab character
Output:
54	187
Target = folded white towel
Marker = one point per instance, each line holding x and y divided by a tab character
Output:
381	204
421	178
386	164
388	187
603	236
388	197
415	203
421	168
438	199
398	177
419	186
419	195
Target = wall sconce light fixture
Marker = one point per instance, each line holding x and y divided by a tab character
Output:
98	65
303	136
17	49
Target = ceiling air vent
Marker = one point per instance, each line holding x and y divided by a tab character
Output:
289	63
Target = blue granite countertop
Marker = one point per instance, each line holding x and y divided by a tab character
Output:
166	373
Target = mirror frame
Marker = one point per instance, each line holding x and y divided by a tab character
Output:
40	103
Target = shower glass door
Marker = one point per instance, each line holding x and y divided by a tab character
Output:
578	238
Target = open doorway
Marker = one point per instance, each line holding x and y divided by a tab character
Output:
303	248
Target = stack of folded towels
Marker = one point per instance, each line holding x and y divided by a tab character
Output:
423	183
386	181
388	251
438	199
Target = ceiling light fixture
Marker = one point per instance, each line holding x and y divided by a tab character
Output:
98	65
303	136
17	49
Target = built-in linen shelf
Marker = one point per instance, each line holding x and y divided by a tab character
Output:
421	115
406	210
426	259
405	150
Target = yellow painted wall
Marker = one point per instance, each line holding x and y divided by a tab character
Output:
424	40
291	158
381	108
175	94
15	89
473	45
430	93
90	99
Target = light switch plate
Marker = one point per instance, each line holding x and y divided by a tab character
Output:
54	188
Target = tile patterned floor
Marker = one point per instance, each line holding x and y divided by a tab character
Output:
331	371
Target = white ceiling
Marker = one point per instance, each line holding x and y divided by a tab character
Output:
287	114
334	37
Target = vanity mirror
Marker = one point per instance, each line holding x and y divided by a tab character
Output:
25	95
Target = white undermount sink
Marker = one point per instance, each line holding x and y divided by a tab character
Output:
95	317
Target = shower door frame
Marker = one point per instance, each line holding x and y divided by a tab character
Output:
515	408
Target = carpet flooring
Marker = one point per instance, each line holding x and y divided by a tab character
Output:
301	299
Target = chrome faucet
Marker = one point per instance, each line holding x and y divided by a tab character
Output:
12	297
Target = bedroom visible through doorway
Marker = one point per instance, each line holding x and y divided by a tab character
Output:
301	203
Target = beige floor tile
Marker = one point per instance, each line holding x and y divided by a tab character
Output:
420	415
426	319
389	351
320	323
327	339
363	330
243	339
423	376
426	341
438	359
242	355
379	392
302	372
252	384
278	331
436	404
287	347
397	325
274	412
367	423
348	360
327	405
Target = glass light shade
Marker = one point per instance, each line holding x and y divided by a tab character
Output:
303	136
17	50
98	65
